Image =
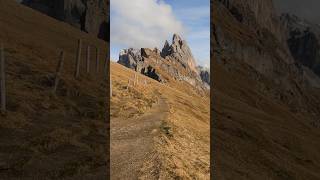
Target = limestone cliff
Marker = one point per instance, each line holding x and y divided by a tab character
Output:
303	40
88	15
266	99
180	51
258	14
174	61
246	34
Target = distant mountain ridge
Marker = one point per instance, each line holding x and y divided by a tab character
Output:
265	43
173	61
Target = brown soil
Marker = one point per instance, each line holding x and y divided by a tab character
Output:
132	141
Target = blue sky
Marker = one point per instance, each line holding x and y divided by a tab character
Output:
195	15
148	23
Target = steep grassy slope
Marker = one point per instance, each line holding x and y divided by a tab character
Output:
180	143
47	136
266	120
258	138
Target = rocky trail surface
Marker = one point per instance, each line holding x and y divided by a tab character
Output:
132	141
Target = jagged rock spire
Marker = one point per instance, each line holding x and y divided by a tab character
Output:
180	51
166	50
176	38
176	61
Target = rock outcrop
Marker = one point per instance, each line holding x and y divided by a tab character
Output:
88	15
249	33
259	14
303	40
180	51
204	74
130	58
174	61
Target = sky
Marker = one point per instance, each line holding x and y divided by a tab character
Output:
307	9
148	23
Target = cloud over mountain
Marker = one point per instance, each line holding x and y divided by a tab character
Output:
142	23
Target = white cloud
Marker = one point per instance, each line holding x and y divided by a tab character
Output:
142	23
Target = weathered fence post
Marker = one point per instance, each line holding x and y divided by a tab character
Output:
110	88
88	59
58	72
105	67
3	81
134	79
97	60
77	72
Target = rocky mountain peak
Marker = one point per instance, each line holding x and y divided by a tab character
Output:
166	50
180	51
204	74
176	39
175	62
166	44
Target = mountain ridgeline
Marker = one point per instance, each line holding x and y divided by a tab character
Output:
174	61
275	48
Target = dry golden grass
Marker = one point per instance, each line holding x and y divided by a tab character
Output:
127	100
46	136
181	149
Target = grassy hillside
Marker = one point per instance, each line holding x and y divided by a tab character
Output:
257	137
45	135
180	143
263	128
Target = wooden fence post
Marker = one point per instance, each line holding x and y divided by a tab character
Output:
105	67
97	60
58	72
77	72
110	88
88	59
3	81
134	79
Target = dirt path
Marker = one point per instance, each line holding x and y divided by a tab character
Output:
132	141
